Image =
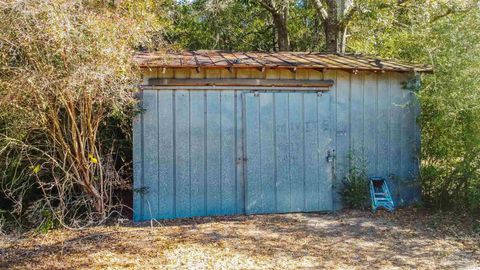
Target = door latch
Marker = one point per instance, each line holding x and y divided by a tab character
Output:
330	156
240	160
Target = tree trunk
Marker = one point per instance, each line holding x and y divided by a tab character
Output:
331	37
334	30
279	11
283	40
332	14
334	37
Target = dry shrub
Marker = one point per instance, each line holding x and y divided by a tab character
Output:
65	72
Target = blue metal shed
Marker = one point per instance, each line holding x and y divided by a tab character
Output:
220	134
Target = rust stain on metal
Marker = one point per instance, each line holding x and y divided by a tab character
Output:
281	60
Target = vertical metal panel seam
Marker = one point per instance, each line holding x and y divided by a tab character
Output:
244	154
142	152
241	155
158	145
412	149
220	152
303	154
390	113
289	153
411	136
376	124
174	156
349	162
262	203
334	130
190	152
205	149
236	147
418	136
318	96
402	132
363	117
274	120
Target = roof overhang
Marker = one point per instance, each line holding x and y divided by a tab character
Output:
276	60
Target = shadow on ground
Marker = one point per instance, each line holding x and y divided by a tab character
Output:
349	239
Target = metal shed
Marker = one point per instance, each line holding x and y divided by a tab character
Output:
225	133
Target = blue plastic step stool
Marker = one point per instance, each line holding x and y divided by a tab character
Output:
380	194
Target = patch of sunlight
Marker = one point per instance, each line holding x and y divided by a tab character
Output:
198	256
321	223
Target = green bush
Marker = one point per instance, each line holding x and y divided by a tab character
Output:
355	191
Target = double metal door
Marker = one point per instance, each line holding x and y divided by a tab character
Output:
287	137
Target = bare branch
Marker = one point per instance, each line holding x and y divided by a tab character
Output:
319	6
268	6
350	12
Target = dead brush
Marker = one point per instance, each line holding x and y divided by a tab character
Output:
65	69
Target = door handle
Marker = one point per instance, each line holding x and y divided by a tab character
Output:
330	156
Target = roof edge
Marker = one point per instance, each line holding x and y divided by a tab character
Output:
273	60
428	70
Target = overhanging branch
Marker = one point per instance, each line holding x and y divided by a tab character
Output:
319	6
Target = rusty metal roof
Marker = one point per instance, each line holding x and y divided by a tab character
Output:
288	60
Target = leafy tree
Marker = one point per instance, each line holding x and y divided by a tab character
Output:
305	28
207	25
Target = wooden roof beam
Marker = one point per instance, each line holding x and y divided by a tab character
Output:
240	82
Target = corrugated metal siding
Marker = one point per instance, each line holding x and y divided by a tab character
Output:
186	149
287	136
375	120
372	116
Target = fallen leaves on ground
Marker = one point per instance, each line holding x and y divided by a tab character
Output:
409	238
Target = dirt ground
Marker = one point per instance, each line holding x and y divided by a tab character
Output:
407	239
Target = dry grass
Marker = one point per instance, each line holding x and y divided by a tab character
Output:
346	240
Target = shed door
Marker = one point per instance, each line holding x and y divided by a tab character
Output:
287	136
